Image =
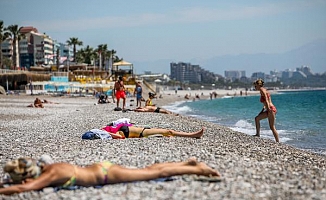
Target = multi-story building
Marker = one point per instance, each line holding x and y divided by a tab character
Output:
306	70
257	75
7	48
185	72
35	48
234	74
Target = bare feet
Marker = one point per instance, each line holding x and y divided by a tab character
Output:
199	133
256	135
207	171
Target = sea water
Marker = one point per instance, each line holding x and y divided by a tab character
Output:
300	120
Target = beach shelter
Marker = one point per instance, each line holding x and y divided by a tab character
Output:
122	68
116	65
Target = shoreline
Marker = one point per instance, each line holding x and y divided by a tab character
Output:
251	167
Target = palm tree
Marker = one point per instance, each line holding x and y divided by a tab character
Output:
74	41
102	49
114	57
85	55
13	31
3	36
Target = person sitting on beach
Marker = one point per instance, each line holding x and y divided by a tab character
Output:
103	98
149	102
122	131
32	176
37	103
269	110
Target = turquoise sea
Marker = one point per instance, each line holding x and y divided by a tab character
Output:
300	120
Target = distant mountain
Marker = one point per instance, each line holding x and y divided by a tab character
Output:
312	54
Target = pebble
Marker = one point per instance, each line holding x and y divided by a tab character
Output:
251	167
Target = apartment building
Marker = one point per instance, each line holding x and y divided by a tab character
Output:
36	49
234	74
185	72
7	48
188	73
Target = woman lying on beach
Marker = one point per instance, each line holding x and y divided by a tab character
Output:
150	107
154	109
269	110
122	131
32	176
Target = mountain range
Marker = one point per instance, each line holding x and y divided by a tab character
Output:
312	54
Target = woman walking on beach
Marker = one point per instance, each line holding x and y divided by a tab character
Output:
34	176
269	110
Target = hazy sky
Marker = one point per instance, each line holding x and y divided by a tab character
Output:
180	30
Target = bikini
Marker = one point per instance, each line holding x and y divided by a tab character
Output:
104	165
263	100
71	181
125	130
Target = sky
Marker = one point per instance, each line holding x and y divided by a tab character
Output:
179	31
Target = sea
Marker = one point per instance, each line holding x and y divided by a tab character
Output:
300	120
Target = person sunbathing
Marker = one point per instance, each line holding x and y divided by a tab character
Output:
122	131
32	176
150	107
154	109
37	103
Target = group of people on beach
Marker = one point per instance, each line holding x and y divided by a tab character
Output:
28	174
119	93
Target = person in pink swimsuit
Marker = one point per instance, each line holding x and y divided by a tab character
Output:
269	110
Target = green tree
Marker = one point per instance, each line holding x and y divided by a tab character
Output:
102	50
3	36
74	41
13	32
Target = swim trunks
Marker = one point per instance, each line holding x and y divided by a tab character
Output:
120	94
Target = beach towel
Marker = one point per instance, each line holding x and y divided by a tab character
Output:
75	187
96	134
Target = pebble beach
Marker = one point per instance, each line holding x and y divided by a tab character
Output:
251	167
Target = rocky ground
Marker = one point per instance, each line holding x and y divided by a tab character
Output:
252	168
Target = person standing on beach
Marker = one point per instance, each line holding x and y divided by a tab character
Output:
119	92
31	86
269	110
139	93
